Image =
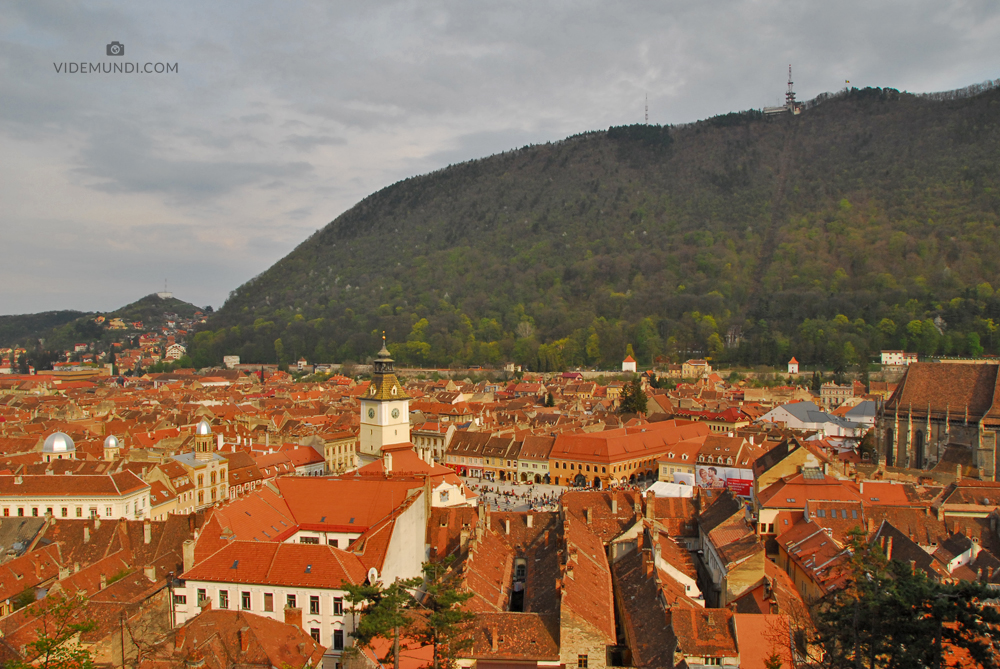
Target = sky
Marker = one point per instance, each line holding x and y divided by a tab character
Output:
279	116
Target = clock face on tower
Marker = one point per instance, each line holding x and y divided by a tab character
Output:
371	413
395	413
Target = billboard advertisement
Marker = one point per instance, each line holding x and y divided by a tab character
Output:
740	481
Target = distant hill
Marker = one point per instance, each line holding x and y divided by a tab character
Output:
868	221
16	328
61	329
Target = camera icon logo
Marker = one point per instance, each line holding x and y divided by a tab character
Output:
116	48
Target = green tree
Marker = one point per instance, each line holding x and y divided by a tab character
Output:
972	343
60	621
633	398
889	612
383	613
446	624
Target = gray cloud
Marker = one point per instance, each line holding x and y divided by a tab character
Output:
283	115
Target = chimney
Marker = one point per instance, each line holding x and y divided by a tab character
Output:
614	505
529	520
493	640
586	513
569	570
463	541
147	531
958	472
104	581
637	506
86	534
63	573
293	616
506	524
650	504
150	572
656	552
188	549
179	637
387	463
888	549
76	567
97	523
871	525
244	637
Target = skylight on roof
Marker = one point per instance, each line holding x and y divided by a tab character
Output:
236	564
323	519
309	568
352	521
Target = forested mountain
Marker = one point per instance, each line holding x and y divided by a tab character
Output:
868	221
61	329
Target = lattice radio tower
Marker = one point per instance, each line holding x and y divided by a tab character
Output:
790	94
647	108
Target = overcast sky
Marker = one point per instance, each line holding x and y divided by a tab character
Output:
282	115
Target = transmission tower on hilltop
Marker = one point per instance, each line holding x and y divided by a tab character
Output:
790	104
790	93
647	108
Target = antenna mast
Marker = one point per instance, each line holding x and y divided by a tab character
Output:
790	94
647	108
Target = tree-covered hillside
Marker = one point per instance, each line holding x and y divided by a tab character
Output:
61	329
868	221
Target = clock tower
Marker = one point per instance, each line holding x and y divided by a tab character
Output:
385	408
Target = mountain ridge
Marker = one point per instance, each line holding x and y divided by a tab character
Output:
762	233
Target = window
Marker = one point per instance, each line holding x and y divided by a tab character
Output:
314	605
290	601
822	513
6	511
713	661
308	540
223	599
180	599
202	595
245	601
34	511
268	601
581	661
65	512
213	478
48	511
314	633
107	511
338	639
770	528
334	542
201	480
338	606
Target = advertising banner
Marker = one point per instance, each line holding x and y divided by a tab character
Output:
740	481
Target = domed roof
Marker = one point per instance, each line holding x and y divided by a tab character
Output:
111	442
58	442
203	428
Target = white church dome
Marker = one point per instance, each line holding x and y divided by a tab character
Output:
203	428
111	442
58	442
